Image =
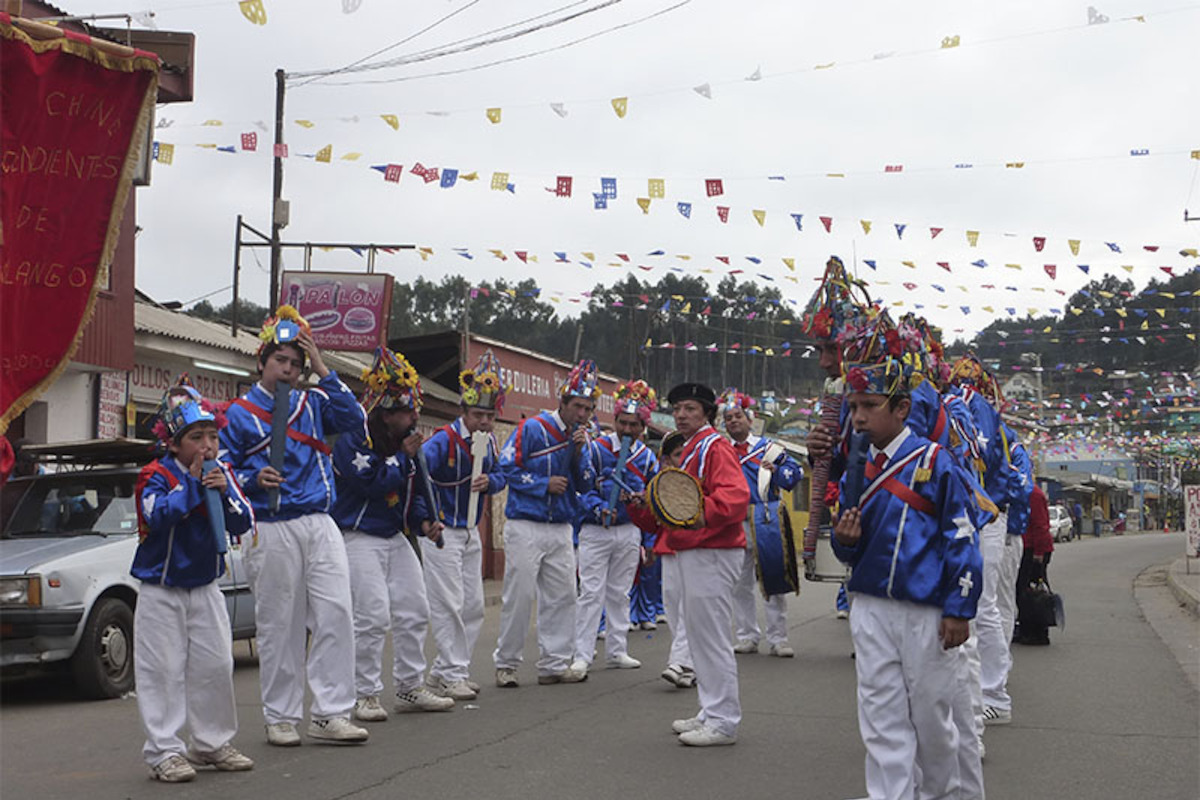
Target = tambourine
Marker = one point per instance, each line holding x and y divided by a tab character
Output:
675	498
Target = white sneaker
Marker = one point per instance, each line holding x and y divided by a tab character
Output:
623	661
843	614
580	667
745	647
649	626
660	619
473	686
783	650
225	758
369	709
602	635
507	678
573	674
458	690
706	737
996	716
283	734
173	769
421	699
688	679
337	729
685	725
672	674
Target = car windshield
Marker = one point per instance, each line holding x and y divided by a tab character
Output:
72	504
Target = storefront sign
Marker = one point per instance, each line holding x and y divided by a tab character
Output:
1191	519
347	311
110	406
150	379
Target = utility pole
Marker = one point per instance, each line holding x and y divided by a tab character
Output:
279	208
237	272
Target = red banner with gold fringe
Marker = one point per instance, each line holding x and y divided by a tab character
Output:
75	112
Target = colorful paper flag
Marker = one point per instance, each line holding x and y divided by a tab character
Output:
281	150
723	213
250	141
253	11
973	238
621	106
325	154
392	120
760	215
866	225
828	223
499	181
714	187
656	187
392	173
644	204
685	209
493	115
562	186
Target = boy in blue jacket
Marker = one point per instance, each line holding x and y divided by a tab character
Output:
546	464
297	563
915	583
377	500
454	571
182	642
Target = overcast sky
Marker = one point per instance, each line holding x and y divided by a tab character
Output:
1030	82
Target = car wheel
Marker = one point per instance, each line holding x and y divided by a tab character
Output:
103	661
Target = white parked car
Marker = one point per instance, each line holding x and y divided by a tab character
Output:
1060	524
66	595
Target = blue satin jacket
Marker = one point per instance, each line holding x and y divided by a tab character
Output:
538	449
448	453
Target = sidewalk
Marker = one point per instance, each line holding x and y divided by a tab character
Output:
1185	586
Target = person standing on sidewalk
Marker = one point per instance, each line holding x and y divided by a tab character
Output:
737	413
547	463
297	563
609	543
1097	518
1039	544
454	573
378	499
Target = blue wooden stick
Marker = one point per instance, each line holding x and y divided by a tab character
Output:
279	420
216	511
615	492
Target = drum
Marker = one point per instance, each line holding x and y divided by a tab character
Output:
675	498
774	549
824	565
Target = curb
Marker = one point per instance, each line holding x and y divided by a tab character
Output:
1186	588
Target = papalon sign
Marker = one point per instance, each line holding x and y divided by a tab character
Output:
74	116
347	311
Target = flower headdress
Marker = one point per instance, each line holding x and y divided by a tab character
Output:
483	387
834	306
283	327
635	397
182	407
881	358
581	381
887	376
969	371
391	383
732	398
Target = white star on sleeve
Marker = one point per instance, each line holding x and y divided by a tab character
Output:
392	461
965	529
361	461
148	504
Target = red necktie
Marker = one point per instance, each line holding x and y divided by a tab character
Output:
742	448
881	460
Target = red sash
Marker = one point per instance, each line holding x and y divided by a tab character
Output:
456	442
900	491
940	425
552	429
151	469
265	416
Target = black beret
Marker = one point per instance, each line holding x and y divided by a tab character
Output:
692	391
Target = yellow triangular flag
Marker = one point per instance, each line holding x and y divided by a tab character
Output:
1104	294
1160	312
687	307
499	254
493	115
589	256
352	157
1127	267
1013	266
207	146
972	238
532	258
1034	311
790	263
793	279
1074	245
644	203
1145	325
511	292
677	297
989	309
949	41
1190	251
253	10
1076	311
684	257
425	252
770	351
470	176
304	123
211	123
866	225
392	120
1121	312
325	154
760	215
909	264
620	105
1192	336
1170	295
656	187
1047	329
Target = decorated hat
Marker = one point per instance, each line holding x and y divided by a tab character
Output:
839	302
928	358
581	382
887	376
692	391
635	397
968	370
181	408
283	327
392	383
483	387
732	398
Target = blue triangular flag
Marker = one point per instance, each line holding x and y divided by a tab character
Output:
449	177
685	209
799	221
599	200
900	230
869	263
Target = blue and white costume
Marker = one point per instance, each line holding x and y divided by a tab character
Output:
297	564
767	523
608	555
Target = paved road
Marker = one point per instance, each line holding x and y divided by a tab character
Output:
1105	712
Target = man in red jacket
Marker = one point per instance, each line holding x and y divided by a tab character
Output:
710	555
1039	544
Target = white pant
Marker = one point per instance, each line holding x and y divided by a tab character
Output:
539	558
706	578
997	611
388	592
907	685
672	592
608	560
745	613
968	720
454	585
183	665
298	573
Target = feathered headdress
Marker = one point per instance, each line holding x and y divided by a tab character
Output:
581	381
834	305
732	398
635	397
182	407
391	383
283	327
483	387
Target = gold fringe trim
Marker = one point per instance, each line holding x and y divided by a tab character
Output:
124	183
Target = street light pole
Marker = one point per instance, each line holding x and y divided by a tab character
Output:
279	211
